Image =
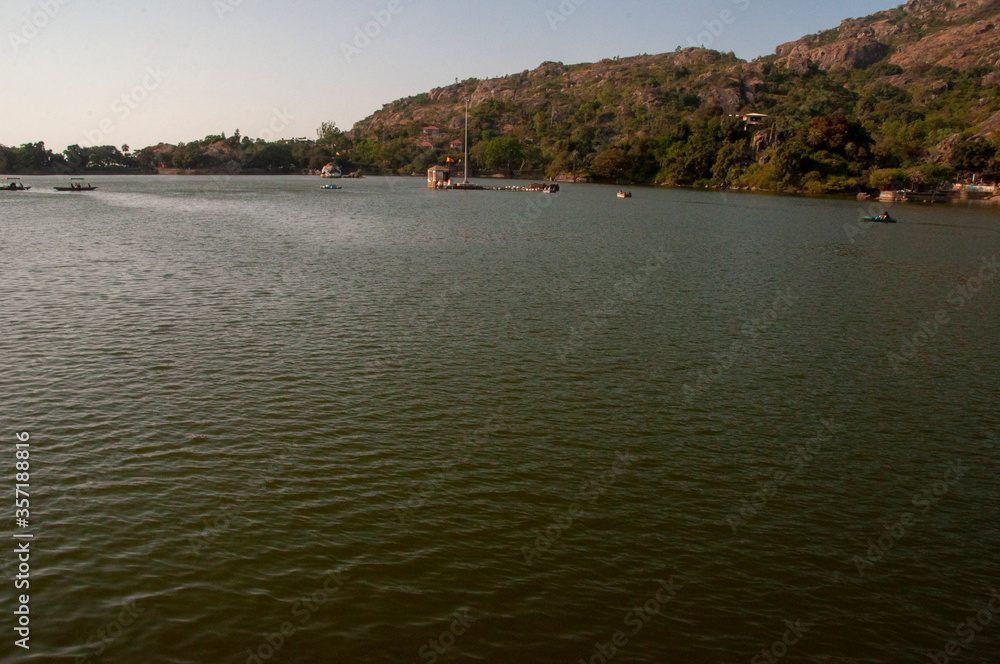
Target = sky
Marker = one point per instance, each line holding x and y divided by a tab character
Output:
140	72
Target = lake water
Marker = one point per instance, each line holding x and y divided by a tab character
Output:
412	426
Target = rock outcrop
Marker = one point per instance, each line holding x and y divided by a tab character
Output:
909	45
960	34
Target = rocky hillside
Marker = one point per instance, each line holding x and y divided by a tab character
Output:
921	38
913	82
908	96
959	35
634	85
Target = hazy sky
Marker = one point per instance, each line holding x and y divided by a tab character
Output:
144	71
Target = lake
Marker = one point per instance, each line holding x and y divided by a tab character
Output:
272	423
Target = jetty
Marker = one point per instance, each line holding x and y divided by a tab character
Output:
439	177
946	193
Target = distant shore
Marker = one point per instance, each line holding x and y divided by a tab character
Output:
870	196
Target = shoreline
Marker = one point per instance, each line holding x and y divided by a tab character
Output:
721	190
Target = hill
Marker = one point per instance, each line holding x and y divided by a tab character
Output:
914	88
905	97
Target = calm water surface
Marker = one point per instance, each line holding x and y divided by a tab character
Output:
411	426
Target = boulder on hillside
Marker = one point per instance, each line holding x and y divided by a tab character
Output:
854	53
990	126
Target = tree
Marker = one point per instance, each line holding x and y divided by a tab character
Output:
500	153
610	164
328	133
77	158
973	155
733	159
32	157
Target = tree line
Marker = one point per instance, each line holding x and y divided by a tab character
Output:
827	132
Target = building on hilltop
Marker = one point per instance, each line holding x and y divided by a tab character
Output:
754	119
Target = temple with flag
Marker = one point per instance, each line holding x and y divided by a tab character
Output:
438	177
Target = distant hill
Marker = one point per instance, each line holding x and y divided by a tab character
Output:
900	89
905	97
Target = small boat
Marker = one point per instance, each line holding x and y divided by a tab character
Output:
12	184
77	184
331	186
622	194
881	219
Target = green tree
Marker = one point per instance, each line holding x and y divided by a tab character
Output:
328	133
610	164
500	154
973	155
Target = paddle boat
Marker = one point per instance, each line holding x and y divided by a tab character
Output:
883	218
331	186
623	194
77	184
12	184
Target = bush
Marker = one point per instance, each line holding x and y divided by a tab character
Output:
884	178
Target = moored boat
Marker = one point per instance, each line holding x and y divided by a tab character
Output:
77	184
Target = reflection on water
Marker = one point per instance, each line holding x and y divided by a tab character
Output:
385	424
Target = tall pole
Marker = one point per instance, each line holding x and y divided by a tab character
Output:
466	141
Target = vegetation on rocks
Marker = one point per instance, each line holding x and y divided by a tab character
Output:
906	97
